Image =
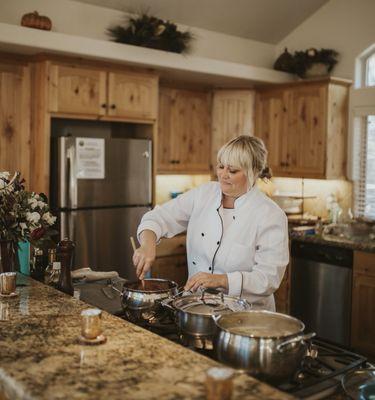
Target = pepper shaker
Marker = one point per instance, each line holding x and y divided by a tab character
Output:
65	251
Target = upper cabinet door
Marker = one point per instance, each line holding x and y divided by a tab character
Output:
306	127
15	136
270	127
184	131
76	90
132	95
232	115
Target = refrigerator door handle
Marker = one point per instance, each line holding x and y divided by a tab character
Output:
72	174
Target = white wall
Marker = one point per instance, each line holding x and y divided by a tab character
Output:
91	21
347	26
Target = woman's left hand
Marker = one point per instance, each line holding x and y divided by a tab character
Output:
203	279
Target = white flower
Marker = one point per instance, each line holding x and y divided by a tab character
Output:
41	204
49	218
159	30
33	203
33	217
5	175
23	226
311	52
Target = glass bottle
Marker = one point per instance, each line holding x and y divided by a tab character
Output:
51	260
38	266
65	250
54	278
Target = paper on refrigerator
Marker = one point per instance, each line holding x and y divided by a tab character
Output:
90	158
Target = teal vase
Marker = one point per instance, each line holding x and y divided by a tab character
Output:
24	257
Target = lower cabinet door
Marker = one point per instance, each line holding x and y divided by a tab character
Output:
173	268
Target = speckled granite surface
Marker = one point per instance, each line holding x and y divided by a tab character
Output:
361	246
41	358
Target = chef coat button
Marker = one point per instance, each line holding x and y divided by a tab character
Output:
194	263
202	234
209	268
234	217
218	243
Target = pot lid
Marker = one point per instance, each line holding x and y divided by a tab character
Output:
260	324
210	304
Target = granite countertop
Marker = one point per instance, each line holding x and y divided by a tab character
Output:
42	359
345	243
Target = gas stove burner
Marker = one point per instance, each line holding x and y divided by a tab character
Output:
197	342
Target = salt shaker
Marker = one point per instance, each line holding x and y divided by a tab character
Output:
65	251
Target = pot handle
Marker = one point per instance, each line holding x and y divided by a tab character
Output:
113	287
297	339
167	303
216	317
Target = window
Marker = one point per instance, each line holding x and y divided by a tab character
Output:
365	186
370	70
363	143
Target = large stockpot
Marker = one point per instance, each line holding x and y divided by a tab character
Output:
193	313
141	300
268	345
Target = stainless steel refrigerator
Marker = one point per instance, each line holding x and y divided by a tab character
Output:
104	186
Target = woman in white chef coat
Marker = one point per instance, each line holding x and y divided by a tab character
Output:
237	238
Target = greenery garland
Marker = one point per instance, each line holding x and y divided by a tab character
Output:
301	61
152	32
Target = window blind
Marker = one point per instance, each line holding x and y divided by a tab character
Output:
364	185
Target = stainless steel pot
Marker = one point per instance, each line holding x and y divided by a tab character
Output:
193	313
268	345
141	300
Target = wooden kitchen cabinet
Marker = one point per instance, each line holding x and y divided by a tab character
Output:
304	126
183	131
232	115
87	91
171	260
15	136
132	95
363	303
77	90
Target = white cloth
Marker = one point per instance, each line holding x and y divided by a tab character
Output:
254	251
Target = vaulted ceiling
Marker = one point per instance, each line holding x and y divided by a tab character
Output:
266	21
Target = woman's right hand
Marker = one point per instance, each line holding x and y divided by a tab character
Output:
144	256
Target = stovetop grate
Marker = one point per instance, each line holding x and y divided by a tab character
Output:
319	376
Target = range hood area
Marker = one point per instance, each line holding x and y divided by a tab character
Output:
22	40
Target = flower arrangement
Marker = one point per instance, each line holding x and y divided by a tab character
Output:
152	32
24	216
308	63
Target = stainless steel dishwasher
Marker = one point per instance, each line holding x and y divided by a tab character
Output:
321	289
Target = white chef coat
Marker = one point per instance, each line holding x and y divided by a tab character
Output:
253	252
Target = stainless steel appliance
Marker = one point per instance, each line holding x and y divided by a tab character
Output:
101	186
321	289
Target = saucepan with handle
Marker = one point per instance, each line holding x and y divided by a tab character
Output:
141	300
268	345
193	312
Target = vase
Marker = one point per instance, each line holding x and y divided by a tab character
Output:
7	256
24	257
316	70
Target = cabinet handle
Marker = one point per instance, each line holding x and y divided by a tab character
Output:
104	105
113	106
177	161
172	162
282	163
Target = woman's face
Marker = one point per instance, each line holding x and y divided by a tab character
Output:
233	180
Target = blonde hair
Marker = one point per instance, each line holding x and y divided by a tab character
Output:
248	153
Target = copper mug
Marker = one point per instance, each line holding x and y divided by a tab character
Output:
8	283
91	323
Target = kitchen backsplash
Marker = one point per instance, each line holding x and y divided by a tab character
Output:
314	187
167	184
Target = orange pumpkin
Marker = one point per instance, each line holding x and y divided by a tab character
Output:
34	20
